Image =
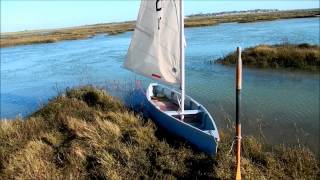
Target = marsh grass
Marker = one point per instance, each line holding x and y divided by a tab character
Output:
82	32
86	134
301	56
51	36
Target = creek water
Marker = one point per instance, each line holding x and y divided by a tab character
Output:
279	106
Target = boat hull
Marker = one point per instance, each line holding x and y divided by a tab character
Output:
205	140
202	140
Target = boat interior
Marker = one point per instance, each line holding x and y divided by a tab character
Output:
168	101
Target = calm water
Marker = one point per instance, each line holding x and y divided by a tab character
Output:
281	106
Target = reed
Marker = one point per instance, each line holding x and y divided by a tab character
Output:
293	56
85	133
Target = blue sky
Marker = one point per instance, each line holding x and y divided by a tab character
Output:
29	15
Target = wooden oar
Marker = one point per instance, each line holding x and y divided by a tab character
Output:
238	125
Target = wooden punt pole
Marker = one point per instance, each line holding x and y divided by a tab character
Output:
238	124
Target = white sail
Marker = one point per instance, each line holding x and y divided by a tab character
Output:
155	46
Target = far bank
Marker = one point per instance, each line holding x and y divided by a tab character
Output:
82	32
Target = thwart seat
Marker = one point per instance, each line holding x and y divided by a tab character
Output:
186	112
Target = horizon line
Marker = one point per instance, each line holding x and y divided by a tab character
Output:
127	21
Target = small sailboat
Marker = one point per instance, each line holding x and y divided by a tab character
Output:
157	51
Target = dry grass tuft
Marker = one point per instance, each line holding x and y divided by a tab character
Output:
87	134
34	161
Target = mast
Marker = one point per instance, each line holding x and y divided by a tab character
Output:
182	85
182	68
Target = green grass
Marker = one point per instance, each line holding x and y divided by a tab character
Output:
87	134
300	57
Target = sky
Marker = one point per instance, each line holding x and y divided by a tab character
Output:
20	15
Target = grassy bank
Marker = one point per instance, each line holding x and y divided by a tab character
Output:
50	36
87	134
300	57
